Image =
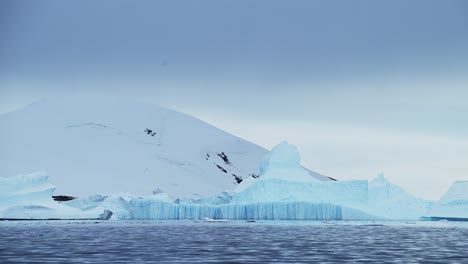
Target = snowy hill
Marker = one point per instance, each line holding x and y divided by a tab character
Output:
111	146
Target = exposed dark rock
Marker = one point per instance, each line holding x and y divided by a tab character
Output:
150	132
238	179
224	157
254	175
63	198
221	168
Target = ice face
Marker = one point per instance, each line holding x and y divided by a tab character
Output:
275	190
458	191
148	208
283	162
392	202
282	155
283	179
22	189
30	197
454	203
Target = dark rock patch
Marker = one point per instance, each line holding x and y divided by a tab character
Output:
221	168
238	179
224	157
63	198
150	132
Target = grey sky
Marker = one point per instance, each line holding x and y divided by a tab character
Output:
392	72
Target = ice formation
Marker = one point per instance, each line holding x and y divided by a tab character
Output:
282	179
30	197
389	201
283	191
454	203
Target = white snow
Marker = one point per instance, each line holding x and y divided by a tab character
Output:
94	146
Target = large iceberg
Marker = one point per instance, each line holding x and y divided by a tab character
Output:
283	191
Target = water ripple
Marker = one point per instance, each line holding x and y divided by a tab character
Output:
235	242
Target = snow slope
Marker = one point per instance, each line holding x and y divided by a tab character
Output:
99	146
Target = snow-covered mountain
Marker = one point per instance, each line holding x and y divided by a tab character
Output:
91	146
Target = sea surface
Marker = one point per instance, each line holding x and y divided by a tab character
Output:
232	242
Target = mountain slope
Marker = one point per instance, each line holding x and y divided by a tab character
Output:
110	146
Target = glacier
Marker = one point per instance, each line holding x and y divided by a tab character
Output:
284	190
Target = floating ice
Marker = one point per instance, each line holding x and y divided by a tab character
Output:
283	191
453	204
392	202
30	197
283	179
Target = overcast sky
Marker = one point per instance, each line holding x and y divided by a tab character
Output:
361	87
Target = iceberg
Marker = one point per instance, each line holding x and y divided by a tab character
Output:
389	201
29	196
283	183
155	209
283	191
283	179
453	205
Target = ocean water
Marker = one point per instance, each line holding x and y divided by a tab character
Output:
232	242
